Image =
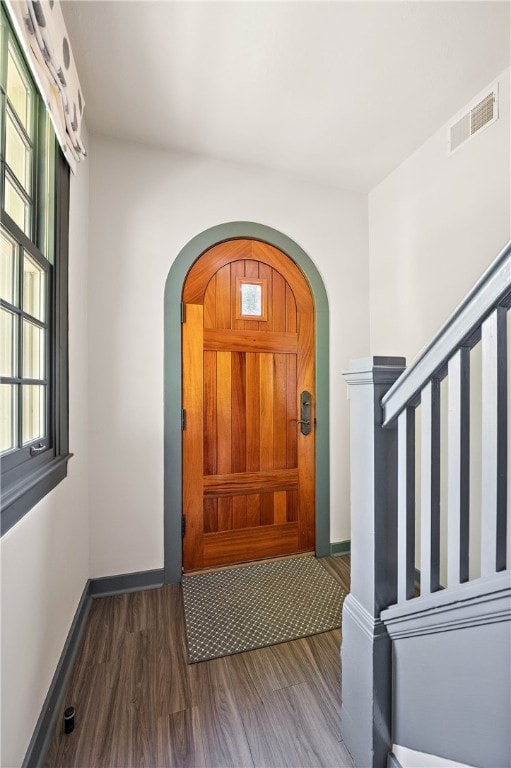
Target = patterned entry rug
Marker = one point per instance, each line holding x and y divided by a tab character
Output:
258	605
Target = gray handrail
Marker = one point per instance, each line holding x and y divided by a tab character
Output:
493	289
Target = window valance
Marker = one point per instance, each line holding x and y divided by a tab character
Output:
41	29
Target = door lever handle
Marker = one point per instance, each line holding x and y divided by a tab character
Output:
305	413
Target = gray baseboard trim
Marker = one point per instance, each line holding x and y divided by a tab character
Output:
340	547
106	586
102	587
45	727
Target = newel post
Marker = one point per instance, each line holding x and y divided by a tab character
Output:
366	649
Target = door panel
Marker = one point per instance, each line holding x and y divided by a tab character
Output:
248	472
238	546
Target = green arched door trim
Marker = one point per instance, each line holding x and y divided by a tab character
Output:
172	382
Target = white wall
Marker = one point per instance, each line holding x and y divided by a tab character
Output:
435	225
45	557
146	205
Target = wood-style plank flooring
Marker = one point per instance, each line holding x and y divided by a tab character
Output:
138	703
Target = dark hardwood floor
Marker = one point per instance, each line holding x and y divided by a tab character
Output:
138	703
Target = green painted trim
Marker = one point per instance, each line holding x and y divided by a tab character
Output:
172	381
340	547
45	727
126	582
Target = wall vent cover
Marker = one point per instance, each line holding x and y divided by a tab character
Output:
480	116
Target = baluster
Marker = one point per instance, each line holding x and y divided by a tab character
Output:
494	443
406	505
458	477
430	487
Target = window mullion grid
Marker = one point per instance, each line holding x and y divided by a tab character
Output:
19	125
49	361
43	325
20	189
29	143
16	379
38	179
3	101
3	96
21	258
20	380
46	381
29	139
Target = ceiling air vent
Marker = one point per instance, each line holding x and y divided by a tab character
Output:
482	114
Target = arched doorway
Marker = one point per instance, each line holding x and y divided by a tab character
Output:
173	374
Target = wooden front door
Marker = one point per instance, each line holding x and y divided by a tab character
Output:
248	378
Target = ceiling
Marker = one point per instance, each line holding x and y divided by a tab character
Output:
335	92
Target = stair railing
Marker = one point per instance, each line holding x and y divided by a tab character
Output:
386	440
482	317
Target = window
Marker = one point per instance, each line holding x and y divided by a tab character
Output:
251	299
33	291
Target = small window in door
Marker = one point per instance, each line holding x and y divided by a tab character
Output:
251	299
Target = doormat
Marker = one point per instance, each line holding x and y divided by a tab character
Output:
241	609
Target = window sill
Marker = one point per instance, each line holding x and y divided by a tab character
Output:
20	497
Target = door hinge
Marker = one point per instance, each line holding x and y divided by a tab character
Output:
183	419
183	526
183	312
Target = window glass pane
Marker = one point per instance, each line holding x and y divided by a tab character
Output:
251	299
33	351
8	269
8	417
16	207
17	154
18	90
8	346
33	412
34	288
